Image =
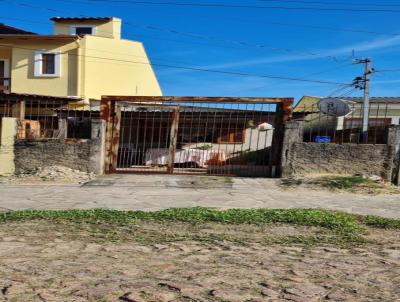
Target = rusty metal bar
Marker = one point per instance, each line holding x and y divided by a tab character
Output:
192	99
173	140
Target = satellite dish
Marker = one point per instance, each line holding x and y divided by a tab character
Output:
334	107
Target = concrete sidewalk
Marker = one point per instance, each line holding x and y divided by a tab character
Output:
154	192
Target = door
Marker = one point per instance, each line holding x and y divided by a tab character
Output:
147	138
4	74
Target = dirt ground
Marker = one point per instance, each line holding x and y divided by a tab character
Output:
151	261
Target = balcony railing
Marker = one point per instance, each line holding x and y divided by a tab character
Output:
5	84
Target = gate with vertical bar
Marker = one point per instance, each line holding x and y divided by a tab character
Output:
195	135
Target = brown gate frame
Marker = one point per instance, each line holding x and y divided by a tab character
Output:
111	114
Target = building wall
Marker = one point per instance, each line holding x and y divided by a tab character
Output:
91	67
8	128
111	29
116	67
22	70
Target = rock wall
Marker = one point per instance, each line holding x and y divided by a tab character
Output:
84	154
8	131
350	159
29	155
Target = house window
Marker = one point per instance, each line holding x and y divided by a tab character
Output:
47	64
82	30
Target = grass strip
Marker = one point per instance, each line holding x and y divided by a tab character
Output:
332	220
336	221
379	222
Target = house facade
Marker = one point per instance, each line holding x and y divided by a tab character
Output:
85	58
383	111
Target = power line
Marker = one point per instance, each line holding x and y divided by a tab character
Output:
235	73
244	6
236	42
317	27
219	39
335	29
387	70
332	3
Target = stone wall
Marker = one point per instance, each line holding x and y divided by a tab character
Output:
8	131
302	159
84	155
349	159
394	140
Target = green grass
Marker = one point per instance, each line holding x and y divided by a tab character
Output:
348	183
379	222
306	217
343	182
112	225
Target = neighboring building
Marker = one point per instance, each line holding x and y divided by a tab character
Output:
85	58
383	111
9	30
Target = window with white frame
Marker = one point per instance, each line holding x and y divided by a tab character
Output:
82	30
47	64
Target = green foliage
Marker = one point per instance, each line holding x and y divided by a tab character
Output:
322	218
379	222
112	225
343	182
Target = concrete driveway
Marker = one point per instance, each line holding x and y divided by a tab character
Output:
154	192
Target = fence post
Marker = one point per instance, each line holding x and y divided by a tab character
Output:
293	134
283	115
393	140
18	112
111	114
173	140
97	152
62	127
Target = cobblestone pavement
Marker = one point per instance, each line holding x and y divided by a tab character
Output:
50	262
154	192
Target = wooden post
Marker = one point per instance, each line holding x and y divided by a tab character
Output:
283	115
173	140
62	126
111	114
18	111
116	133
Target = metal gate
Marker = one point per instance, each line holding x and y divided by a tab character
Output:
195	135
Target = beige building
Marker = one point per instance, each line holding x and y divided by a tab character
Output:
84	58
383	111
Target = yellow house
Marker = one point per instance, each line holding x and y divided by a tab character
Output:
84	58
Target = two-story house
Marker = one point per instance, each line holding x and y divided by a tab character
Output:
85	58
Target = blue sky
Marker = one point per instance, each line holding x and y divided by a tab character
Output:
259	41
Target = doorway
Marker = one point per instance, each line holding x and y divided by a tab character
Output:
4	75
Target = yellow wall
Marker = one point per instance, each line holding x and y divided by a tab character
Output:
117	67
110	29
90	67
8	132
22	70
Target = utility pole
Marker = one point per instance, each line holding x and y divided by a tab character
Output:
366	82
